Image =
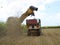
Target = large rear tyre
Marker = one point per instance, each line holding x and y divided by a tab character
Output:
29	33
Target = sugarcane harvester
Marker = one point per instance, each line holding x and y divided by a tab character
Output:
33	25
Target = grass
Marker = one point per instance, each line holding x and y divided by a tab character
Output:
49	37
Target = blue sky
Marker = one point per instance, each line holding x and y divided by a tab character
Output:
53	7
48	10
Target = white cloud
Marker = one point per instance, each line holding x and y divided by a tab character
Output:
41	7
51	20
12	7
57	19
49	1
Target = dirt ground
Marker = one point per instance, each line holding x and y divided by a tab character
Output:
48	37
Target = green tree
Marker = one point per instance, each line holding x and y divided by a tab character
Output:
2	29
24	28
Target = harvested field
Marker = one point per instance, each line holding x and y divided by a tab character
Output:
48	37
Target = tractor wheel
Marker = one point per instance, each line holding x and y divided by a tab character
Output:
28	33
